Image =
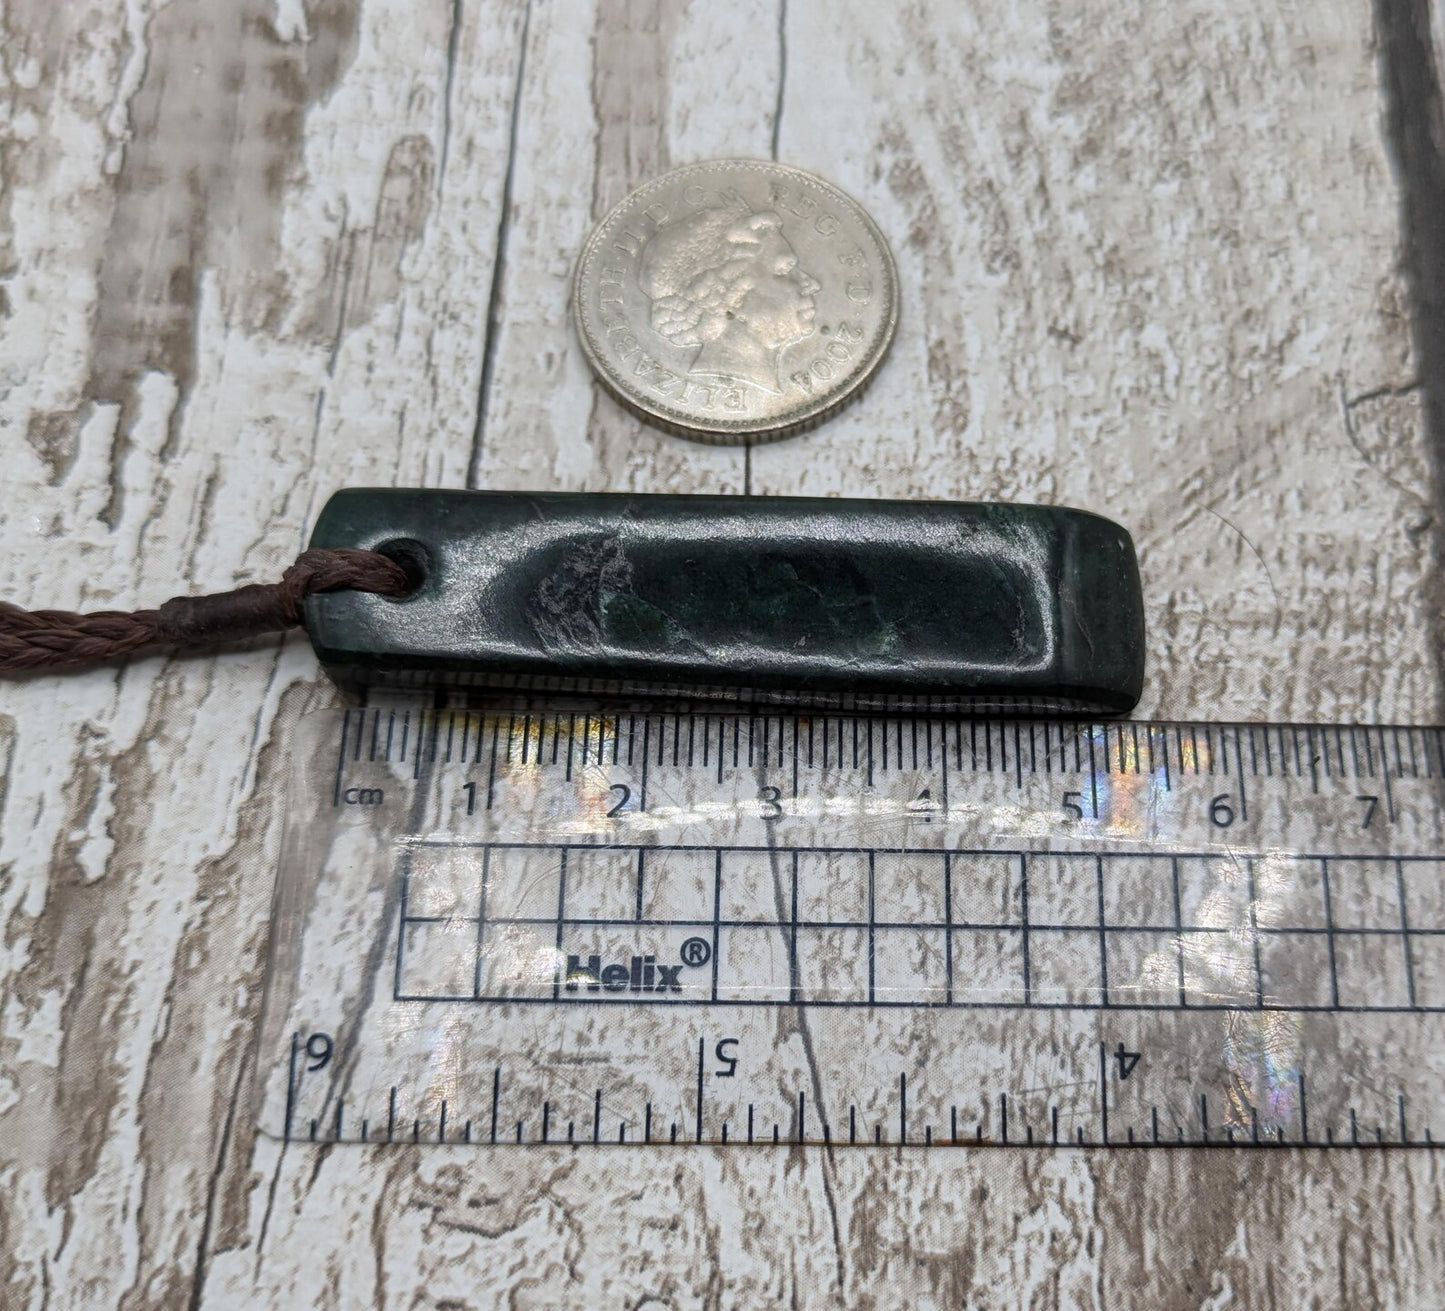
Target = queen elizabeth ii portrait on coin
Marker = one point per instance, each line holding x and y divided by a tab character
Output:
728	282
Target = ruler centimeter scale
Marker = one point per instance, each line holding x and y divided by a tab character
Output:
537	926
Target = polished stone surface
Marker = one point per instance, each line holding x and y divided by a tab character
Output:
845	602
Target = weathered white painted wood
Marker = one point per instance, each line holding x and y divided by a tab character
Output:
191	327
249	253
618	93
1150	257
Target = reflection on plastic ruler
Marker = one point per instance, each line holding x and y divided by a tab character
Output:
723	928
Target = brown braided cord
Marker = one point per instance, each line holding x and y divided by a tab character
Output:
62	639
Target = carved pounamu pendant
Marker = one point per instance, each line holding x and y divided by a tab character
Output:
789	600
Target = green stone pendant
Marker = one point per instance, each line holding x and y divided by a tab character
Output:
787	600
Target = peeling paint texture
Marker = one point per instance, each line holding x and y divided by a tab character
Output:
1159	261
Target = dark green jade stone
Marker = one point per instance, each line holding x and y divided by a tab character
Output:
790	600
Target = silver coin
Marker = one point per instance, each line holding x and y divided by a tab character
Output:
736	300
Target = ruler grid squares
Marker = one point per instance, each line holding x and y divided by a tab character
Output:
1235	939
500	922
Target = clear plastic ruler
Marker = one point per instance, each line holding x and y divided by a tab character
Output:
659	928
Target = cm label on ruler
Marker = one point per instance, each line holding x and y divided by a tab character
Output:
858	929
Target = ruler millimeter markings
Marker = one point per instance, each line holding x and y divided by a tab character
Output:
1311	751
565	926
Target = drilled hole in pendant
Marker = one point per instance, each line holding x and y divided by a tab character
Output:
414	559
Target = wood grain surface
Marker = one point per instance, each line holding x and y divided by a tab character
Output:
254	250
